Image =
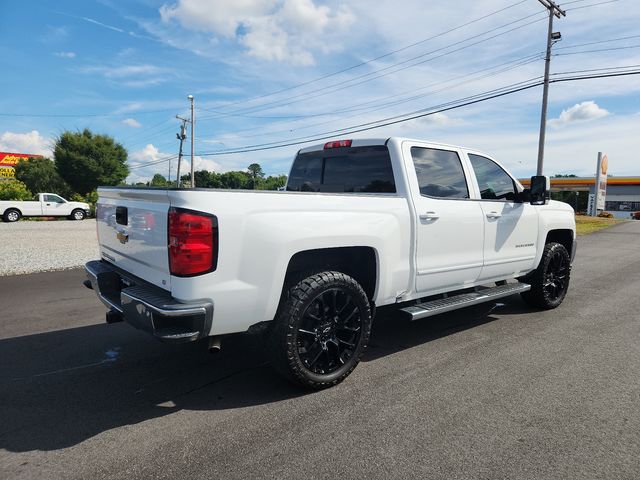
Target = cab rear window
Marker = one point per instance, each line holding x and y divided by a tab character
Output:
343	170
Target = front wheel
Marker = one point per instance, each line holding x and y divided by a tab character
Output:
550	281
321	330
78	215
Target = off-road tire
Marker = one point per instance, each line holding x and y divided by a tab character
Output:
11	215
290	349
550	281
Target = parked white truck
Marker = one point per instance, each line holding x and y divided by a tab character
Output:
362	224
43	205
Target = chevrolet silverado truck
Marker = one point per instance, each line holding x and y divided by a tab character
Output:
425	227
43	205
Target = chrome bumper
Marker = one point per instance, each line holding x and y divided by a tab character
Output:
147	307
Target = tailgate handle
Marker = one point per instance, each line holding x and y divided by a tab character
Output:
122	216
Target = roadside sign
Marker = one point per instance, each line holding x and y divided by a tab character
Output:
9	160
7	172
590	205
601	182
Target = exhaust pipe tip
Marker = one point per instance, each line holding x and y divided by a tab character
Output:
214	345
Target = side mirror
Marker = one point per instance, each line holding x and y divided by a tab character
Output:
540	190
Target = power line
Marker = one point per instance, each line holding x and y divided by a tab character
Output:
343	84
293	99
386	122
378	106
598	50
352	67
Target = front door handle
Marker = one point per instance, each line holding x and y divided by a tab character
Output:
429	216
493	214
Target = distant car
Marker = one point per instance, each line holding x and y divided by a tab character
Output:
43	205
624	207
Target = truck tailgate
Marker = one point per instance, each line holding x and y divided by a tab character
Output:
132	232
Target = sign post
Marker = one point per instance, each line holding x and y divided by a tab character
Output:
601	184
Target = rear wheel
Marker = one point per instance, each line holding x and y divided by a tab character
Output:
321	330
11	215
550	281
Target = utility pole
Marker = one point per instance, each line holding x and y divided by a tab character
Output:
552	37
182	136
193	128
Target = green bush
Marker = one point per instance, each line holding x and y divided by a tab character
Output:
14	190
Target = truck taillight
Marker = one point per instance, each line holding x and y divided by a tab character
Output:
193	242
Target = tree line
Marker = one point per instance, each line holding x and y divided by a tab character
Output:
83	161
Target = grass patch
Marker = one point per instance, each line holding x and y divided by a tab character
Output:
586	225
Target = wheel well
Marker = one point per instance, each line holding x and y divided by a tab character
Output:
12	208
357	262
565	237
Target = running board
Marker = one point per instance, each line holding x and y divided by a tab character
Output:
442	305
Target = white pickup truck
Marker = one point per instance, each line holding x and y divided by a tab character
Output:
43	205
363	223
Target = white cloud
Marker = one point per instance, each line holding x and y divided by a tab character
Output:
134	76
65	54
580	112
286	31
123	71
30	142
131	122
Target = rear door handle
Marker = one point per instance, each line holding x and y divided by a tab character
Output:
429	216
493	214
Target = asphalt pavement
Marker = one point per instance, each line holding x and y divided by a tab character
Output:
515	393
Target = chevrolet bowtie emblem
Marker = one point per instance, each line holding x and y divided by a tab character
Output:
123	237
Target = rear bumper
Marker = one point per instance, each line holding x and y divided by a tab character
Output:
147	307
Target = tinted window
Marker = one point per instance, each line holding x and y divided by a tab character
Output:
358	169
439	173
494	182
306	174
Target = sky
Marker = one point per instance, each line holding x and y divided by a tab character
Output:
265	73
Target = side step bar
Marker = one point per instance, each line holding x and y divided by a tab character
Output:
442	305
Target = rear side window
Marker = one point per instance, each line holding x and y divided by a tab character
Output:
494	182
439	173
343	170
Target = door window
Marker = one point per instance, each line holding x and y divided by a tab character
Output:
439	173
53	198
494	182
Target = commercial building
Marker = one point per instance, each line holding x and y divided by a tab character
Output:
622	198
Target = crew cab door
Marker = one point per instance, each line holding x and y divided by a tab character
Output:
54	205
511	226
449	225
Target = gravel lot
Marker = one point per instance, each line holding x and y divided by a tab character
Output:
42	246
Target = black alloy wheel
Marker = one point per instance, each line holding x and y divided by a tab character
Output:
550	281
556	276
321	330
329	332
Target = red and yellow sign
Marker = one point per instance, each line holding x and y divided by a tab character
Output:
11	159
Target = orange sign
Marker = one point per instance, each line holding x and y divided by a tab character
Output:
11	159
605	165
